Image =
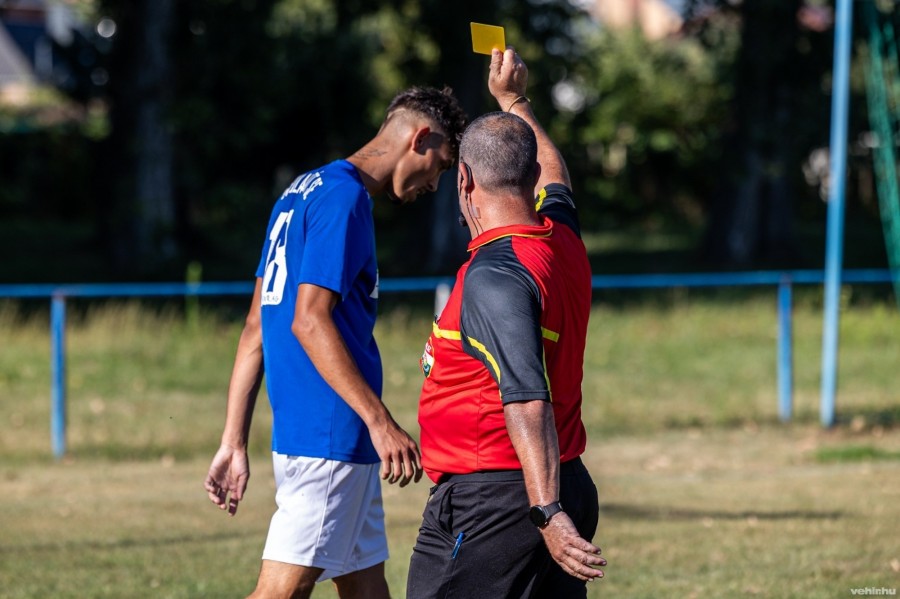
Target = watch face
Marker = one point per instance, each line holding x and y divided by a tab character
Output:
537	515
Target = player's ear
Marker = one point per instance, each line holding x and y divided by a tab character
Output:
420	138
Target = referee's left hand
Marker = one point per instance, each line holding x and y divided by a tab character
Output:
575	556
507	77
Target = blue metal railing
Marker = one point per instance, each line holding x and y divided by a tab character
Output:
782	280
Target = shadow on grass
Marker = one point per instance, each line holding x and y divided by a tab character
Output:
664	513
96	545
888	418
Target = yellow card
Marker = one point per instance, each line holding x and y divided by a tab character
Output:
487	37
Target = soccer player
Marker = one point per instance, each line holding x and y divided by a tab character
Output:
310	329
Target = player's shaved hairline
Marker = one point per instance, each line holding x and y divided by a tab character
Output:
438	107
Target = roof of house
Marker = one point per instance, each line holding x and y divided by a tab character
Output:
655	18
14	67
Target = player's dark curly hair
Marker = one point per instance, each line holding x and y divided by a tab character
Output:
439	105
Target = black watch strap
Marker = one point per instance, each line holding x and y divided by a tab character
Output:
540	514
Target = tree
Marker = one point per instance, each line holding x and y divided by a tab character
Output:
752	209
428	42
140	220
215	105
638	122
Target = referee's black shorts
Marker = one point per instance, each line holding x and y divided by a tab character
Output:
476	539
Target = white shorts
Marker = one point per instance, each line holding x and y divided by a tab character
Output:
329	515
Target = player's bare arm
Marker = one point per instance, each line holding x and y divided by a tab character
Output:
230	470
508	82
533	434
322	341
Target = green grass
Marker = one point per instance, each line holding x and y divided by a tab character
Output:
703	492
855	453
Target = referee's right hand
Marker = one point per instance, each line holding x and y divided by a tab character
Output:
576	556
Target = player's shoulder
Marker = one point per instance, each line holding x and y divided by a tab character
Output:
338	181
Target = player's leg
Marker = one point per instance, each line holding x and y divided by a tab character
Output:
323	506
363	575
363	584
278	580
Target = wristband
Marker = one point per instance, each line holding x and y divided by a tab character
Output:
516	101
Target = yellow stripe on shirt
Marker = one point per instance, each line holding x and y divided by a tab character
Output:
550	335
542	195
480	347
445	333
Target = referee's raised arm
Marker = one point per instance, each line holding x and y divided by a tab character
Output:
508	82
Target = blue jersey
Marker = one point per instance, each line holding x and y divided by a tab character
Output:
320	232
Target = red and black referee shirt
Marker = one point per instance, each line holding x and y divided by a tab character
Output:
513	329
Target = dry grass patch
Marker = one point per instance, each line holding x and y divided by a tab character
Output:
745	512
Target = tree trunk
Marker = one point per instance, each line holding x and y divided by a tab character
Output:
466	72
154	193
138	192
751	220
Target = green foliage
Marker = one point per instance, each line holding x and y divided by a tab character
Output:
263	90
642	123
47	173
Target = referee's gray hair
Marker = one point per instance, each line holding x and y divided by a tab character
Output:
501	149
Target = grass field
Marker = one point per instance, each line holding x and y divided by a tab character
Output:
703	492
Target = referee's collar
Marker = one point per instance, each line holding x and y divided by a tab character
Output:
545	229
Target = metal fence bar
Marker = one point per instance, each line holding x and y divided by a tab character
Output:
127	289
647	281
734	279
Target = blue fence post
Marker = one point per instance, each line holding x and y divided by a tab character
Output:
843	26
58	373
785	349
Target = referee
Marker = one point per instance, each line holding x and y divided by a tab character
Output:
514	508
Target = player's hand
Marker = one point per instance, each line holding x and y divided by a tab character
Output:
400	458
227	478
508	77
575	556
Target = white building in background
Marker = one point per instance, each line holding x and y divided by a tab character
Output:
655	18
16	74
31	31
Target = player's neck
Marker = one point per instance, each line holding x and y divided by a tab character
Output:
373	162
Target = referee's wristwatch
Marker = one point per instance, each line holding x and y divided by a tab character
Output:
540	514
